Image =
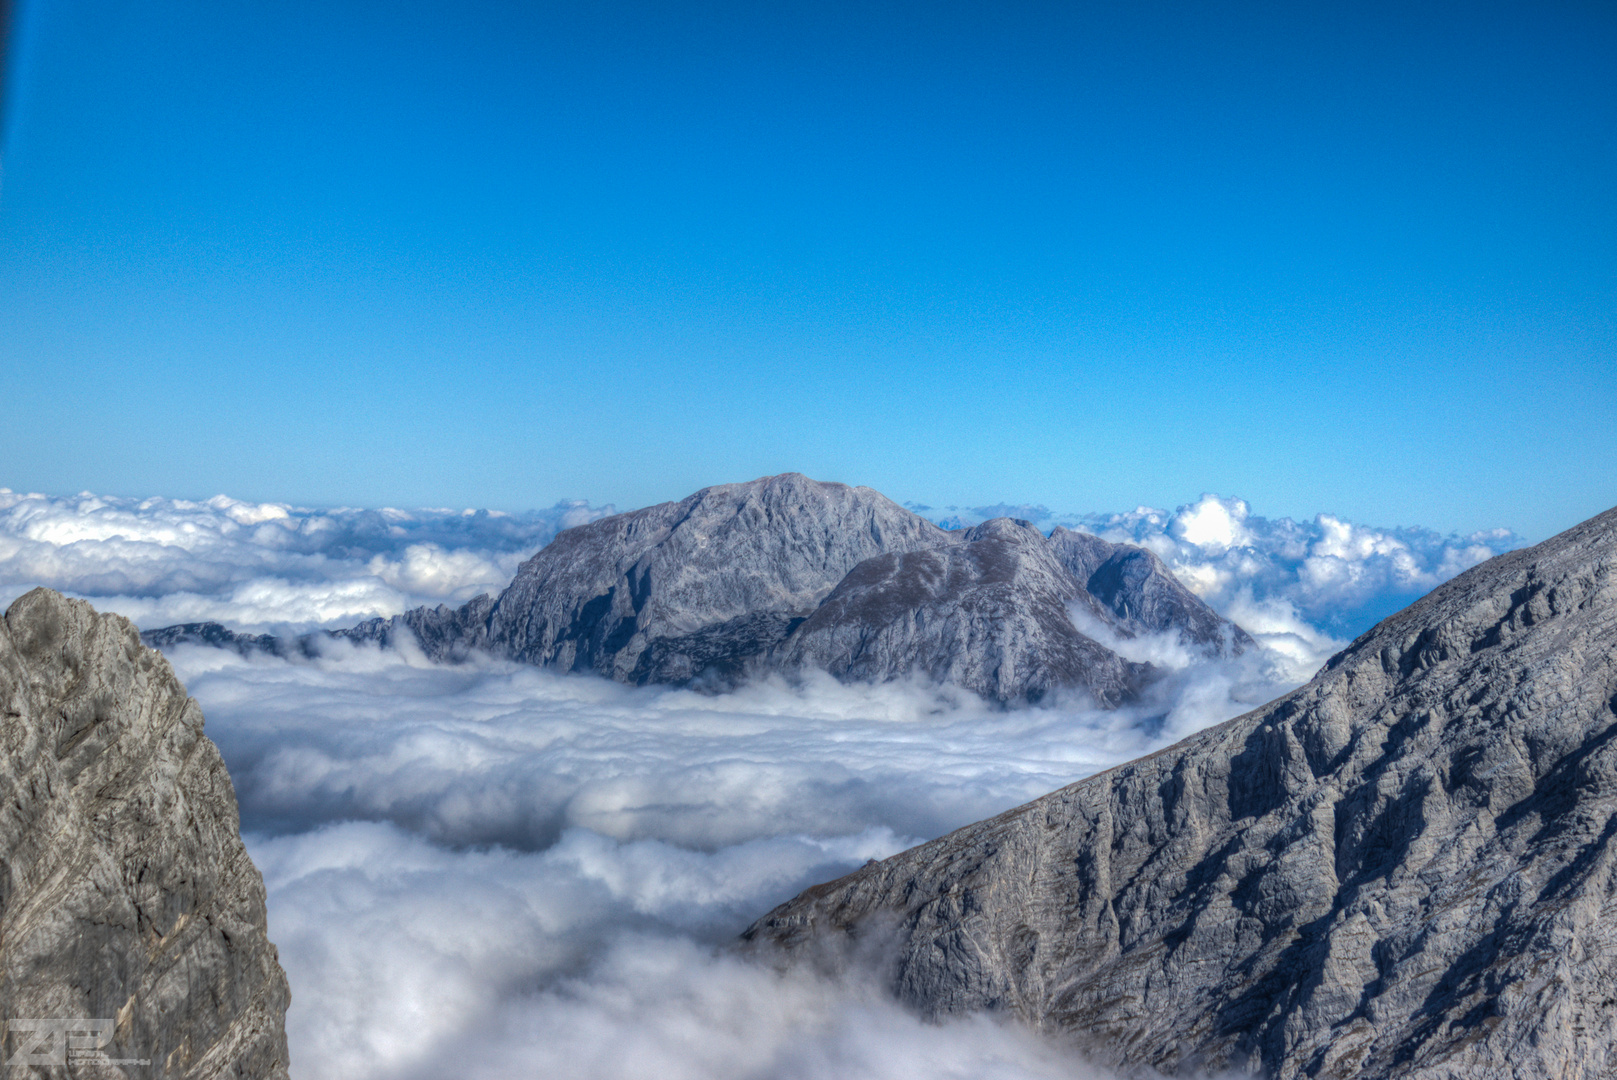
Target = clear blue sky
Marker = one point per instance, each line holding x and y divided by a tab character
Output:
1354	258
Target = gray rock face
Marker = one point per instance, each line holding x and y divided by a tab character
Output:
988	613
1404	868
785	573
442	632
664	593
219	636
125	891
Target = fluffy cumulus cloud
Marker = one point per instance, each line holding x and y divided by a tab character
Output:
262	566
488	870
1298	584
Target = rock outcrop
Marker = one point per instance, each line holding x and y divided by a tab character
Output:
989	613
219	636
125	892
1405	868
1142	594
786	572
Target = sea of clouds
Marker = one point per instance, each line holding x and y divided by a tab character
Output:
489	870
275	567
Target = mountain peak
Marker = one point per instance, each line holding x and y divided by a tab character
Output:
785	572
128	895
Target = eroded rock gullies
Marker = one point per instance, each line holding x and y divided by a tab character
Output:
125	891
661	594
1404	868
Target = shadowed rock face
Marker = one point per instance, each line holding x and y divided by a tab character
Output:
988	613
219	636
784	573
1142	594
125	891
1404	868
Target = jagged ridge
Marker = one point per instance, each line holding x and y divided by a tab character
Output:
1403	868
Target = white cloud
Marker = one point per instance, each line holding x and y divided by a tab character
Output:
258	566
490	752
1333	576
1212	524
272	566
495	871
489	870
592	959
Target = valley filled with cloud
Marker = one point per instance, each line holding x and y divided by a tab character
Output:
1328	286
487	868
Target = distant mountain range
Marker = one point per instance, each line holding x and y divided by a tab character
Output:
786	574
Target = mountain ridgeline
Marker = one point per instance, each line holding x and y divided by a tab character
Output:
786	573
1405	868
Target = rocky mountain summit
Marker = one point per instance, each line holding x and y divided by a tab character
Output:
126	895
785	572
1405	868
664	593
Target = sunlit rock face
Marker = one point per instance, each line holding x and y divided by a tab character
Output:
1403	868
665	593
126	896
787	573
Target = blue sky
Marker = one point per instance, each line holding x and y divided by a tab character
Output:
1348	258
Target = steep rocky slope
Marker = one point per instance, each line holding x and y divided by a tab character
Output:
657	595
1404	868
125	891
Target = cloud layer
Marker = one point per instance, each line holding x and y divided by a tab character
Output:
593	959
271	566
263	566
497	871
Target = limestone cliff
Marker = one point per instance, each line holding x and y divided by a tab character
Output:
125	891
989	613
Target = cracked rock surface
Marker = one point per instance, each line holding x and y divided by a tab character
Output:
1405	868
125	891
1141	595
661	594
